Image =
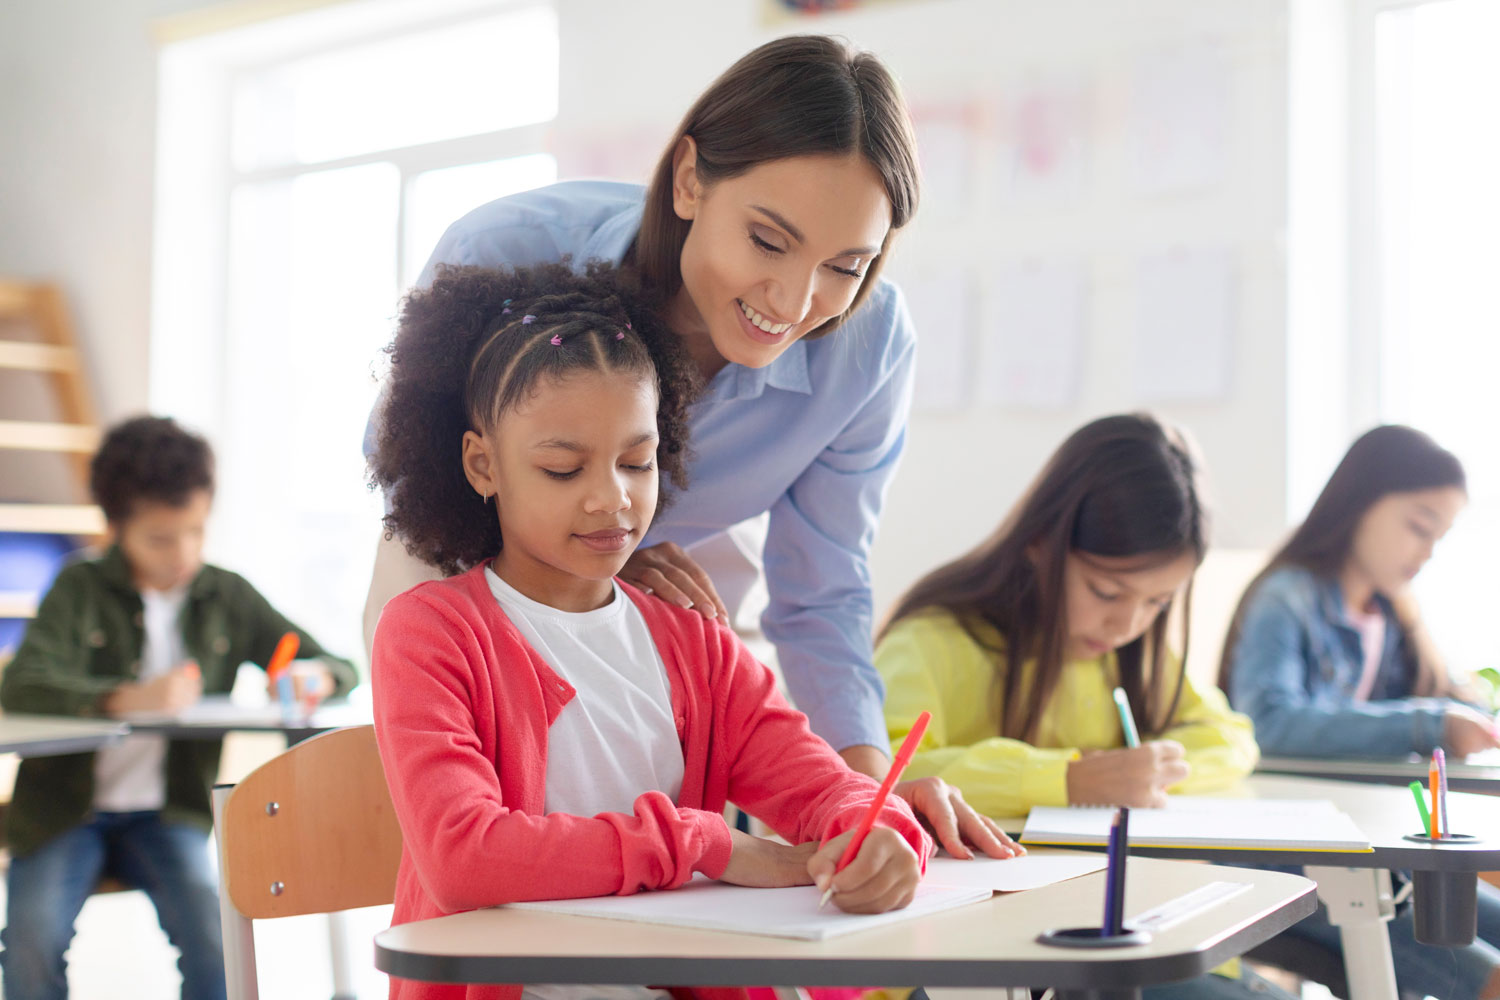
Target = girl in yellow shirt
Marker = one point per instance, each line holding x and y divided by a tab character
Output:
1015	646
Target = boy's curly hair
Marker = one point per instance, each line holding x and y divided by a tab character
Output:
152	459
466	352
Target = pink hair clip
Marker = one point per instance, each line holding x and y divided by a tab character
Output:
556	340
525	320
504	312
628	326
620	335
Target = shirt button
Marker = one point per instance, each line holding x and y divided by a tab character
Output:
96	639
221	645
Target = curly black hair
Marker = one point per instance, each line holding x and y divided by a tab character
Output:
472	345
152	459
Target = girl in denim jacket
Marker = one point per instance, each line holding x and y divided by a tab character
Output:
1328	656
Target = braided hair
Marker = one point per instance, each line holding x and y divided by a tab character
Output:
473	345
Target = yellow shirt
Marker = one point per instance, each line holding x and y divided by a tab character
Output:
929	662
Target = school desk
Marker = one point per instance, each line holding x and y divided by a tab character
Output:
1356	887
214	716
1479	773
50	735
988	944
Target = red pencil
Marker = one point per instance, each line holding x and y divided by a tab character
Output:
286	651
903	757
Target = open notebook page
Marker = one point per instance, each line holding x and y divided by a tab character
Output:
790	913
1196	821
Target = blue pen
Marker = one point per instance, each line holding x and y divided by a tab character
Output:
1127	720
1119	913
1114	875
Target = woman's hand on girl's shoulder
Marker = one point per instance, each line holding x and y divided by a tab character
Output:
1138	777
883	875
667	571
767	864
955	824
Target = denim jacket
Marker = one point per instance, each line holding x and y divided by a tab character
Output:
1297	662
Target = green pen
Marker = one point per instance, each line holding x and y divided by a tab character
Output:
1127	720
1416	792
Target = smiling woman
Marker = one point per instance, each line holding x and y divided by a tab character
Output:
760	240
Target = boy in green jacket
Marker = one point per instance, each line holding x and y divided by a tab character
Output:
145	627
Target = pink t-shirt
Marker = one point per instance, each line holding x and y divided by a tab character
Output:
1371	626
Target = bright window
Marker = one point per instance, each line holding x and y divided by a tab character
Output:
1437	210
307	168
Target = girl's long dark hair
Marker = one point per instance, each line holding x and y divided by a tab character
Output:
1120	487
1389	459
803	95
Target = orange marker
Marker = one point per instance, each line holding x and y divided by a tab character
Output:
1432	787
903	757
286	652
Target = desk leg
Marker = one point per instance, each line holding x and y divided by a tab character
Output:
338	951
1360	904
961	993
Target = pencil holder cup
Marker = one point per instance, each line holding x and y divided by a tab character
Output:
1445	908
1091	937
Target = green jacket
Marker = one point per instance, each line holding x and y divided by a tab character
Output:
86	640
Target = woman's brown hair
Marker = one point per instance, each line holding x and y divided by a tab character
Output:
804	95
1120	487
1385	460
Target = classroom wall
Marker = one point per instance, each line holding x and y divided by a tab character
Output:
981	59
78	101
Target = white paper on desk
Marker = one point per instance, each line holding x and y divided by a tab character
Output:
788	913
1030	871
1185	330
1197	821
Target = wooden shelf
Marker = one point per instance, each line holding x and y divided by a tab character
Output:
59	519
24	355
31	435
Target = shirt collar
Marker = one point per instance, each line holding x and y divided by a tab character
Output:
788	373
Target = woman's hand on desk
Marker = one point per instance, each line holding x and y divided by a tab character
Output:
1137	777
953	822
767	864
170	692
1466	731
883	875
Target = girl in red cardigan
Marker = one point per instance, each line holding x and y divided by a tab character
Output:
548	731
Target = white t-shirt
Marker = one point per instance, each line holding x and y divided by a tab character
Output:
617	738
130	776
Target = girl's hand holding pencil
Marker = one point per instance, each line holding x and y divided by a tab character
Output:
1138	777
1466	731
883	875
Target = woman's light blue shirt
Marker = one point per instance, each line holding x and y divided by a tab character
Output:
1297	663
813	437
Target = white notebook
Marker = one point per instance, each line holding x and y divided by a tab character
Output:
788	913
1193	821
1029	871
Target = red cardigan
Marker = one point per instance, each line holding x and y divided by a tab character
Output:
462	708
